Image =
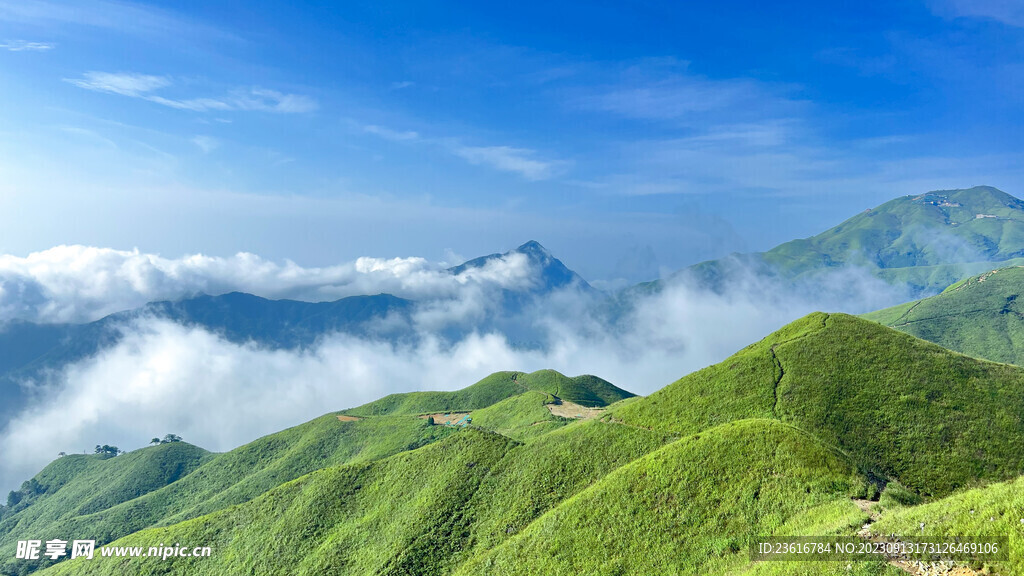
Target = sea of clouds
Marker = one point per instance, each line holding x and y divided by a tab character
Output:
162	377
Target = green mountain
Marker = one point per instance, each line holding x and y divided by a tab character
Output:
901	407
926	242
223	480
776	439
584	390
980	316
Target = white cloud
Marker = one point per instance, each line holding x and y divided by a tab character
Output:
143	85
81	283
389	134
165	378
117	16
1006	11
521	161
272	101
507	159
25	46
206	143
125	84
666	90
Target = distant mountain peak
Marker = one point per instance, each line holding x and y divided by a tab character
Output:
533	247
553	273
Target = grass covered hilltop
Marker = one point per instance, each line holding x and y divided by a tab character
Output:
557	475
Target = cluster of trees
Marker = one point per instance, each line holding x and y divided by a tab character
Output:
108	450
28	491
32	488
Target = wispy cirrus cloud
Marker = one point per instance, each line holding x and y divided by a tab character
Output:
116	16
206	143
26	46
389	134
144	86
1005	11
520	161
665	90
134	85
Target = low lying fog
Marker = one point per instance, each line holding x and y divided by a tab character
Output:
165	378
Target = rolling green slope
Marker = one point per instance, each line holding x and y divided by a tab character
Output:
925	242
688	508
585	390
774	440
540	474
81	485
520	417
221	481
403	515
980	316
937	228
418	512
902	407
975	515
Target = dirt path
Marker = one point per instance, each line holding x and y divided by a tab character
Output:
567	409
910	567
449	418
345	418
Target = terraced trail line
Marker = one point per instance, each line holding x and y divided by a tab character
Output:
910	567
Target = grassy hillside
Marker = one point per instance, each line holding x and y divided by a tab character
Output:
943	227
81	485
221	481
583	499
980	316
774	440
537	476
996	510
925	242
403	515
688	508
418	512
520	417
902	407
585	390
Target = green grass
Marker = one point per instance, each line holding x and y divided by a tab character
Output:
403	515
902	233
421	511
924	242
583	499
536	476
520	417
689	508
774	440
994	510
586	390
904	408
221	481
80	485
982	316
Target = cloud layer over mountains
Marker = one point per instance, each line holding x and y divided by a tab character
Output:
165	378
81	283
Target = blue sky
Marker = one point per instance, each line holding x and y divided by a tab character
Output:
629	139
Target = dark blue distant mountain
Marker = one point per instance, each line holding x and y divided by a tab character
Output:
30	351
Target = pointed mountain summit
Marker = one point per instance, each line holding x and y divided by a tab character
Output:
553	273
